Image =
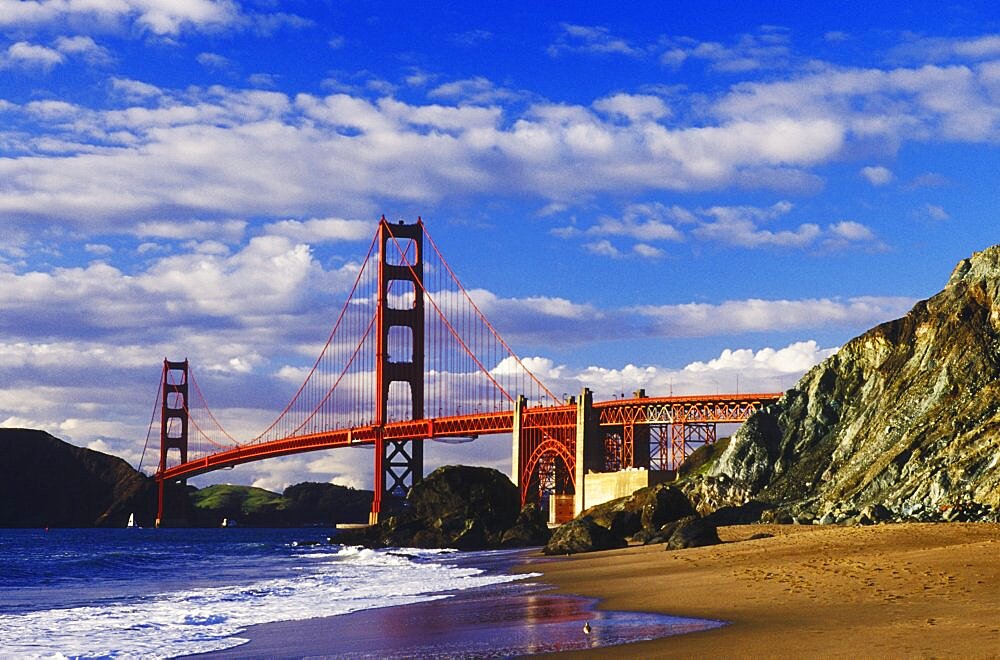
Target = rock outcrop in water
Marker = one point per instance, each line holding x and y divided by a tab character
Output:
458	506
902	423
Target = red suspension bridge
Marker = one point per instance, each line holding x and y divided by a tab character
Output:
411	357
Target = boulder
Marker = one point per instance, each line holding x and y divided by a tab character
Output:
456	506
663	534
582	535
663	503
530	529
693	533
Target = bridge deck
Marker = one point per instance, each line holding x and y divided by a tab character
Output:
720	408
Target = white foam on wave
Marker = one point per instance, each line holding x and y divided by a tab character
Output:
197	621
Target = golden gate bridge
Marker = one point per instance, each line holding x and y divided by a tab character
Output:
411	357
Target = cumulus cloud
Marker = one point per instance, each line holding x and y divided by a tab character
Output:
734	370
936	212
877	175
24	54
158	18
318	230
634	107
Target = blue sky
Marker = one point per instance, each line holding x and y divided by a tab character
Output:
671	197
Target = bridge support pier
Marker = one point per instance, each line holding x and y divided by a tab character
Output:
589	447
173	422
399	464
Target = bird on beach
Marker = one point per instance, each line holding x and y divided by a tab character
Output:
586	628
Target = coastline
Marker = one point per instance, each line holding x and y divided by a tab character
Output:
912	589
515	618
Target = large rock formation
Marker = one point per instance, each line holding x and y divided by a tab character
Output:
457	506
45	482
903	422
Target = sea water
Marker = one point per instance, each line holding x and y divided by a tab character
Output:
169	592
92	593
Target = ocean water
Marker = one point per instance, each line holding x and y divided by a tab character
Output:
168	592
156	593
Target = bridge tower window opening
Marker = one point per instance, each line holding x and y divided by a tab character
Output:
401	251
403	295
400	349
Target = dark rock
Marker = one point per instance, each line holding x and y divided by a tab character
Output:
663	534
582	535
693	533
469	508
530	529
663	504
745	514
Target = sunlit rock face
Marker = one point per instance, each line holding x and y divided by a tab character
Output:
904	418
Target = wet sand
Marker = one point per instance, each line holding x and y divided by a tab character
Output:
808	591
502	621
888	590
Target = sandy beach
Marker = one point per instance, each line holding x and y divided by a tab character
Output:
888	590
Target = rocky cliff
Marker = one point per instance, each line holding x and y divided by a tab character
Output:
45	482
903	422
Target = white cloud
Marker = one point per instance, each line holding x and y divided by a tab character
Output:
25	54
319	230
647	251
214	61
590	39
603	248
84	47
795	358
98	249
750	52
157	17
877	175
228	230
936	212
754	315
634	107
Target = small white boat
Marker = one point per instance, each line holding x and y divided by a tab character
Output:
131	521
226	522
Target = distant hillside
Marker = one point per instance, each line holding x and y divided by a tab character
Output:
45	482
300	505
903	423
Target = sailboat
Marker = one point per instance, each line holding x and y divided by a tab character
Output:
131	520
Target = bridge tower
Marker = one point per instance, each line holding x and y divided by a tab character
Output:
173	421
399	464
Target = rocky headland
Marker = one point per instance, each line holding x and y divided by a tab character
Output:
902	424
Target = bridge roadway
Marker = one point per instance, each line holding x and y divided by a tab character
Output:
719	408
